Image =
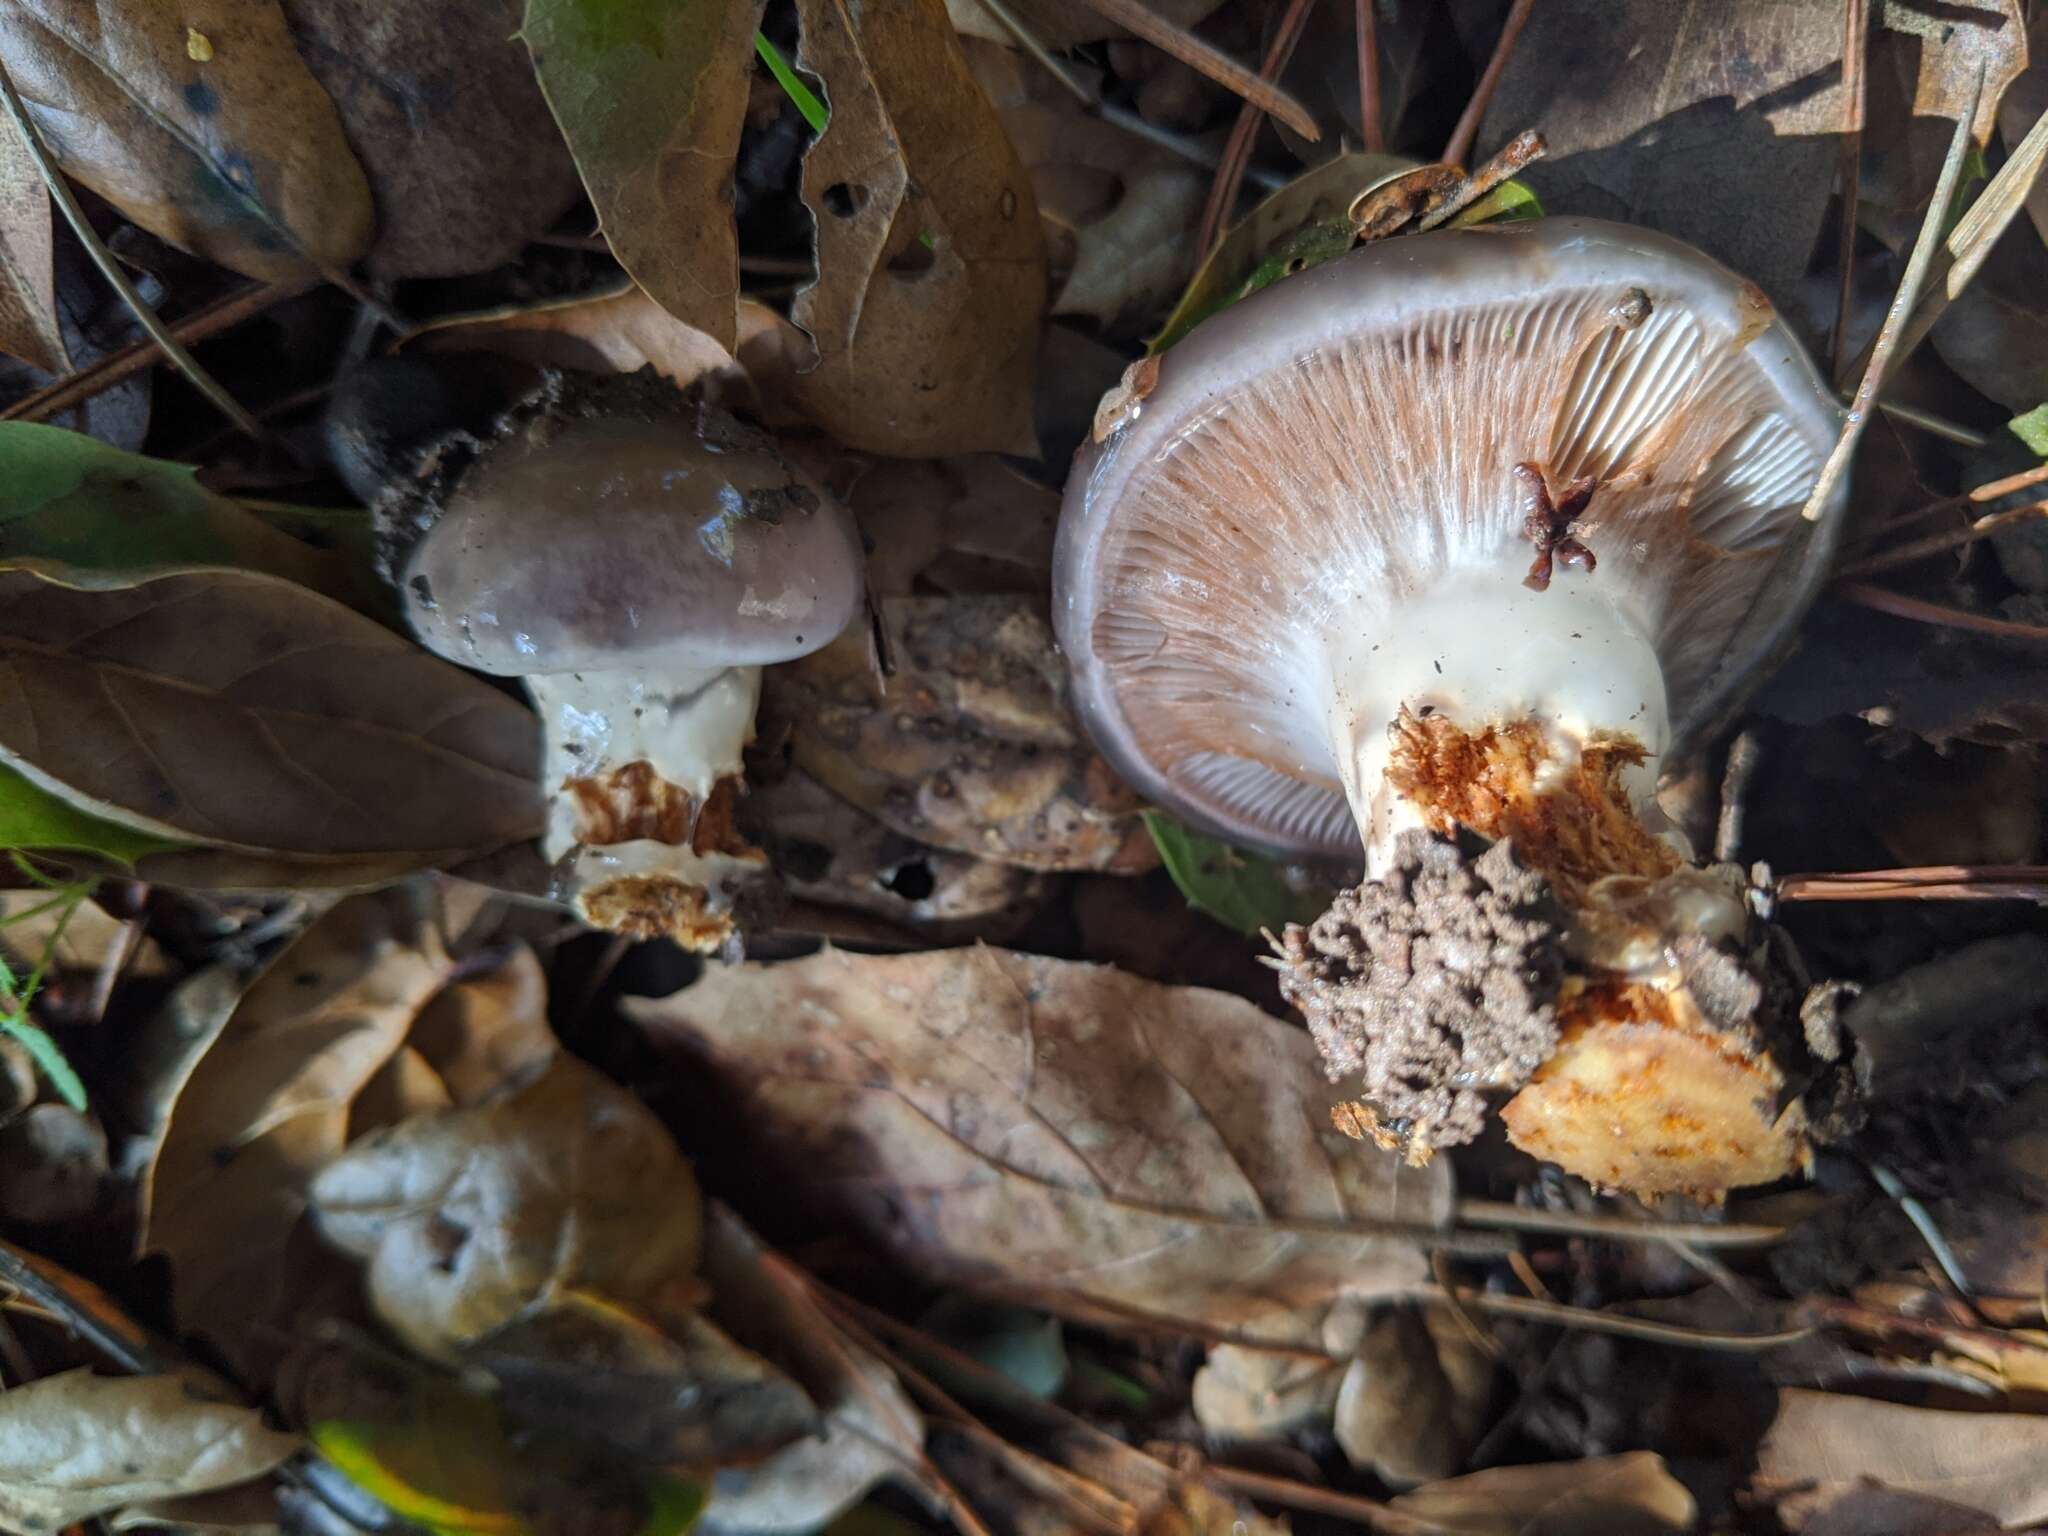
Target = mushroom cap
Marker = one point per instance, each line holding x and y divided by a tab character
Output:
1333	445
675	540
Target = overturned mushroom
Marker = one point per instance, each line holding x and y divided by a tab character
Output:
637	558
1452	532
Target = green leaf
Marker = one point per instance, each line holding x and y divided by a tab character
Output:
2032	429
48	1057
32	817
1509	201
442	1458
814	111
69	501
1240	890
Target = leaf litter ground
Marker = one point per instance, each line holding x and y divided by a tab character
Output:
995	1189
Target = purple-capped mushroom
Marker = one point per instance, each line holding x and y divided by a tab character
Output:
637	559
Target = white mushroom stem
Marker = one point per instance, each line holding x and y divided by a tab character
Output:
689	727
1482	649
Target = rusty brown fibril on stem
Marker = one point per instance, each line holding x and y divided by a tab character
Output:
1373	132
1460	144
1202	57
1244	132
222	314
1929	882
1884	600
1855	45
1954	538
96	248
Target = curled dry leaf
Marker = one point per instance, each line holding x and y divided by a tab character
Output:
651	99
1128	209
1715	123
970	744
1097	1145
29	328
870	1431
931	265
78	1445
267	1107
237	156
239	711
440	103
1954	45
467	1218
1414	1397
1821	1443
1631	1495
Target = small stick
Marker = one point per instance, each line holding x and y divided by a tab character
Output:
1923	1223
1237	152
1624	1326
1887	341
1211	61
1383	1519
172	348
1743	758
1855	43
221	315
1188	149
1937	426
1932	882
1701	1234
1375	136
1954	538
1884	600
1991	490
1512	158
1482	96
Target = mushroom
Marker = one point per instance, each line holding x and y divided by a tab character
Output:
637	557
1453	532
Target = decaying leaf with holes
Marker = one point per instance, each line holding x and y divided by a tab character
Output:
213	135
652	100
1093	1144
969	744
931	266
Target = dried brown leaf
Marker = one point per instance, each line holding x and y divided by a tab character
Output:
78	1445
1631	1495
440	103
1821	1442
931	265
29	328
963	526
487	1034
230	150
466	1218
248	1510
77	939
1956	41
1128	208
1099	1144
620	330
652	100
971	744
267	1107
1711	120
1064	23
238	710
832	852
